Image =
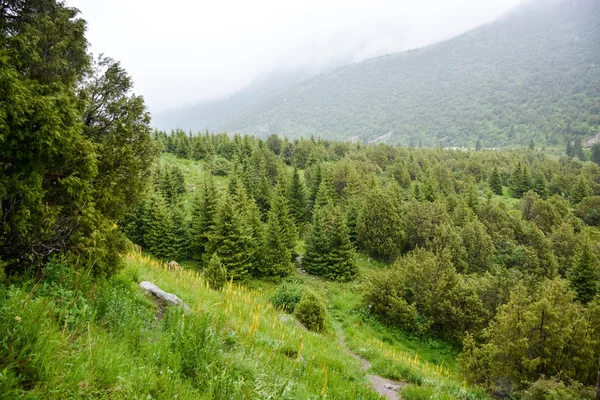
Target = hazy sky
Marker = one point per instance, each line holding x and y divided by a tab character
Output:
182	51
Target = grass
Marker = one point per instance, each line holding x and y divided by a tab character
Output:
74	340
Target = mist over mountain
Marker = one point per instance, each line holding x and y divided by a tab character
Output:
533	73
202	115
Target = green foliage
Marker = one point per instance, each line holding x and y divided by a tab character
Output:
311	312
544	334
329	252
589	210
204	210
580	191
280	239
215	274
554	389
287	296
495	182
520	181
584	273
296	196
379	225
595	155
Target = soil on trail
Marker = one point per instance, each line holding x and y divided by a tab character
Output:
385	387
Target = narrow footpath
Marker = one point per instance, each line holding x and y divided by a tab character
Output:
385	387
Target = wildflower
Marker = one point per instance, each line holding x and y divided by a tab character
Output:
18	319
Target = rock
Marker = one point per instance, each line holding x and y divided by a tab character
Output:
174	266
157	292
389	386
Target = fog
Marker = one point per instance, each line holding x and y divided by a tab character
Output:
183	51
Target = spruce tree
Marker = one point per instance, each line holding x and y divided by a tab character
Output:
540	185
584	273
595	155
329	252
520	181
232	240
179	235
158	233
296	195
531	145
578	150
579	191
215	273
495	182
204	210
570	150
280	239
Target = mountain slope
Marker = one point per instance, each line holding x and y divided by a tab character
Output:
203	115
534	73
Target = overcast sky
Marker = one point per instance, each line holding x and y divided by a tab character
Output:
183	51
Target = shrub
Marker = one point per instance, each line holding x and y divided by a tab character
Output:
287	296
553	389
215	274
311	312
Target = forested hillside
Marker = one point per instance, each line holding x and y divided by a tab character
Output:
531	74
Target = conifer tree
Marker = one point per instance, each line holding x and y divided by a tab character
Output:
579	191
578	150
314	184
595	155
296	196
329	252
495	182
158	233
232	240
280	239
519	182
215	274
570	150
179	235
379	226
540	185
531	145
584	273
204	210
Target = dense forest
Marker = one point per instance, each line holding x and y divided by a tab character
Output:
496	250
304	268
531	74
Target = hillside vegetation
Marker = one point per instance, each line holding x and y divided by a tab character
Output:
534	73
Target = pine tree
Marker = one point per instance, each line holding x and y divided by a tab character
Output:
232	240
540	185
296	195
204	210
584	272
158	234
578	150
329	252
314	184
531	145
478	145
280	239
379	226
595	155
579	191
519	182
179	235
326	192
495	182
570	150
215	274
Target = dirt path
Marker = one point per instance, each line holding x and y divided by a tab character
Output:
385	387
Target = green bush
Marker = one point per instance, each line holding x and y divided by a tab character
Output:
552	389
311	312
215	274
287	296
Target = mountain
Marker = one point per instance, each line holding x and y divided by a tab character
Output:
532	73
203	115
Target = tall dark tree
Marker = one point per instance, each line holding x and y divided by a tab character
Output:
179	235
495	182
280	239
204	210
584	273
578	150
595	155
158	234
296	196
540	185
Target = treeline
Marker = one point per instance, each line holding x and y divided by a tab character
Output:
462	247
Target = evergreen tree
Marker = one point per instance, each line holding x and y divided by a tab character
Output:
179	235
578	150
204	210
296	195
579	191
479	247
495	182
158	234
595	155
232	240
329	252
570	150
531	145
478	145
519	182
584	272
540	185
379	226
280	239
215	274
